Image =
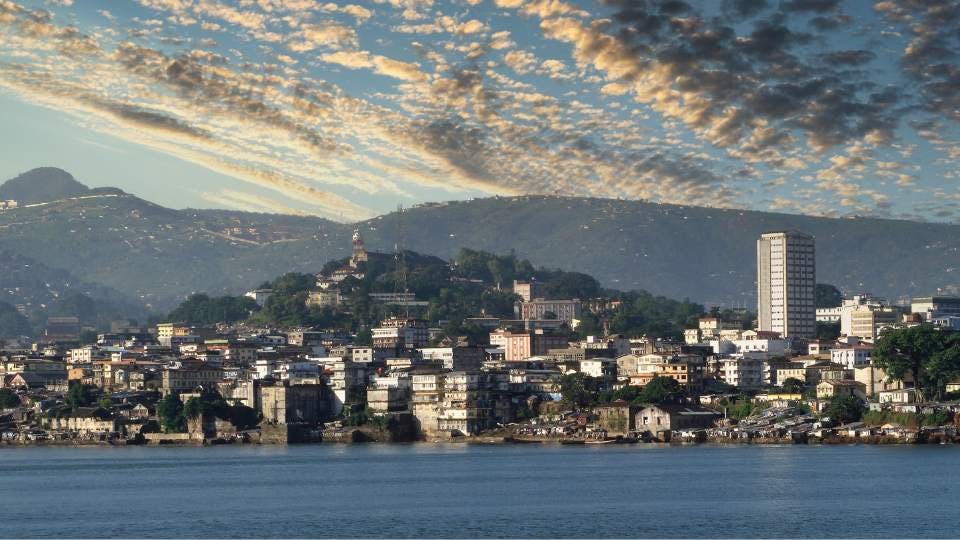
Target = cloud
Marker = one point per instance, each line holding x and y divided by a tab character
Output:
380	64
326	35
520	61
249	202
727	103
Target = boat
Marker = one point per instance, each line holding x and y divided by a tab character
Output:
600	441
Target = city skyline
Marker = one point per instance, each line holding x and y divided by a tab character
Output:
346	110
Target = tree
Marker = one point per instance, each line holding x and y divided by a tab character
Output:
105	402
793	386
661	390
76	305
8	399
577	389
78	395
12	323
293	282
944	366
88	337
929	355
844	409
170	414
364	337
202	309
244	417
827	296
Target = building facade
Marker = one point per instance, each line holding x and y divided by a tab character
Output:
786	282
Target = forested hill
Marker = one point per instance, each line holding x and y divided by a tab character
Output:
705	254
158	256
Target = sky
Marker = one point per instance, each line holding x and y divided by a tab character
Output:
348	110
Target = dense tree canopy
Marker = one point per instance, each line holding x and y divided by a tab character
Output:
642	313
844	409
578	389
928	355
474	283
661	390
79	395
8	399
170	414
241	416
202	309
12	323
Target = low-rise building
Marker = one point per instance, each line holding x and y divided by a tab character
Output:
523	344
455	358
746	372
184	376
841	387
289	404
876	380
561	310
388	398
902	395
852	356
617	417
396	333
661	419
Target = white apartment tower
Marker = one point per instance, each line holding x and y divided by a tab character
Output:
786	279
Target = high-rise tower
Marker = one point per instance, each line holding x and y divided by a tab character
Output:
786	283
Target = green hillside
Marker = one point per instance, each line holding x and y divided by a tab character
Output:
158	256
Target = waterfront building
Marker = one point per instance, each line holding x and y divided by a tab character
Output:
287	404
661	419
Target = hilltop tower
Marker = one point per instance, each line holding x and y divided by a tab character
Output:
359	253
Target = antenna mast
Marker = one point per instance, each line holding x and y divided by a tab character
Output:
400	257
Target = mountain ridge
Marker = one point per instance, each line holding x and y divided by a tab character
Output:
43	184
159	255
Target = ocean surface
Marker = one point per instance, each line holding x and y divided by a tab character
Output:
451	490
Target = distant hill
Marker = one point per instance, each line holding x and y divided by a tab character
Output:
39	291
705	254
42	185
157	256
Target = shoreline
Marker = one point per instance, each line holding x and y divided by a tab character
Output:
494	441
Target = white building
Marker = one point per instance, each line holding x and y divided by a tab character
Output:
767	347
455	358
861	316
934	307
83	355
851	357
786	282
259	295
599	367
747	372
951	322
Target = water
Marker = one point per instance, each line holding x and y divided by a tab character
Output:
427	490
